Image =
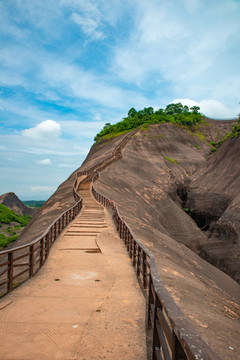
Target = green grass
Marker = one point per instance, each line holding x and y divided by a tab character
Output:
7	217
34	203
199	135
6	240
168	158
144	127
156	136
112	135
197	147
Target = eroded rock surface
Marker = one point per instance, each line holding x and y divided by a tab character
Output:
213	196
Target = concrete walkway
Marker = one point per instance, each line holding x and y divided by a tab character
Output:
85	303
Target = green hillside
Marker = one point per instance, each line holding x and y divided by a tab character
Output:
11	225
34	203
174	113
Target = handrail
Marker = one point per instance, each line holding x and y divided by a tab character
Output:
173	335
37	250
116	154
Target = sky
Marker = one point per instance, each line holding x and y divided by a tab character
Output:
67	67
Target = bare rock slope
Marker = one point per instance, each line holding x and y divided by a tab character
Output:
161	172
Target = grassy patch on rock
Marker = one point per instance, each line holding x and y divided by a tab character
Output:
170	159
11	224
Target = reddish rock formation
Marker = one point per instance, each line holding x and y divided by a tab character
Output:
213	194
152	183
11	201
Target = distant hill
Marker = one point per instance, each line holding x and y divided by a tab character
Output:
34	203
11	225
11	201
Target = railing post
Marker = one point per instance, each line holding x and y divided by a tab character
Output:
144	258
177	350
128	242
52	234
46	245
134	253
10	272
150	300
130	248
41	252
156	345
126	236
138	259
55	231
31	260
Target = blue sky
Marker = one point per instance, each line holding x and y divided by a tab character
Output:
69	66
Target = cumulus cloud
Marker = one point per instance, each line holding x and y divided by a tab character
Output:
211	108
174	52
44	162
89	26
46	130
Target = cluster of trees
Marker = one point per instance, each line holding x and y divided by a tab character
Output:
175	113
236	129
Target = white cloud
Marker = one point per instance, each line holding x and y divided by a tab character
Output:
44	162
97	117
89	26
211	108
78	83
46	130
174	52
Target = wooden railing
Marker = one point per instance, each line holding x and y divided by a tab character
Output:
22	262
173	335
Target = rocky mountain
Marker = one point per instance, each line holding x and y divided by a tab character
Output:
180	197
11	201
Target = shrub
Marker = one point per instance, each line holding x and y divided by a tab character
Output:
168	158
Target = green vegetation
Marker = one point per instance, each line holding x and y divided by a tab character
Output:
168	158
9	233
173	113
6	240
197	147
34	203
188	211
144	127
199	135
156	136
234	133
236	129
7	216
